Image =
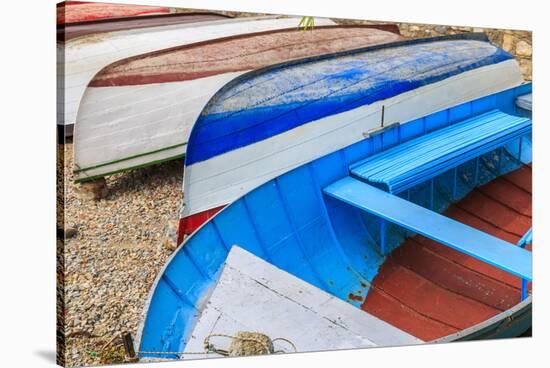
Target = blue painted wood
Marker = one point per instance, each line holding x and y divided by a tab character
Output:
527	238
524	288
430	224
265	103
323	240
425	157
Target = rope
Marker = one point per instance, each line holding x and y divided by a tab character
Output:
283	339
210	348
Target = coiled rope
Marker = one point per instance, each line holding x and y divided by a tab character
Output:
261	344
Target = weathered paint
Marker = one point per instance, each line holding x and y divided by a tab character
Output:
252	131
261	106
253	295
238	53
290	224
73	30
423	276
82	11
155	98
80	59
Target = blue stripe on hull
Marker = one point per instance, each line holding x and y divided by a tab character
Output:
273	102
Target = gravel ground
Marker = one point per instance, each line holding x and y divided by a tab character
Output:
118	249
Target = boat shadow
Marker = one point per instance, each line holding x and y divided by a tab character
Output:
147	178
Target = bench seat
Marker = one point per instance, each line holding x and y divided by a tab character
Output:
425	157
439	228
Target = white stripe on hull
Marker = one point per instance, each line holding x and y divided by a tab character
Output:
225	178
80	59
115	123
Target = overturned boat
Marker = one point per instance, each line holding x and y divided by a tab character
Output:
400	185
140	111
69	31
81	58
70	12
309	108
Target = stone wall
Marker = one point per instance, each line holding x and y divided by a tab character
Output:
518	43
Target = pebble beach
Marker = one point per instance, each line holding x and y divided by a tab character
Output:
117	246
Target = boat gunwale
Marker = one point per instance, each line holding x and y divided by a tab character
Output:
494	320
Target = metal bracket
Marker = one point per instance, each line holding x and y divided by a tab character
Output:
375	131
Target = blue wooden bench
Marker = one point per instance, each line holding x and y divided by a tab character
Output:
389	207
423	158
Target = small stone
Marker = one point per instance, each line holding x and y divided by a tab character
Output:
477	29
441	29
70	232
96	189
508	42
523	49
414	28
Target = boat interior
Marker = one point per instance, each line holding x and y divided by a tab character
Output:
424	225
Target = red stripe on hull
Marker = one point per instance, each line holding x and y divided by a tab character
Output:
73	12
430	290
189	224
237	53
74	30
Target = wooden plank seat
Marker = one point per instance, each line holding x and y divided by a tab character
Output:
423	158
439	228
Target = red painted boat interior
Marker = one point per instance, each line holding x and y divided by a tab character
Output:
81	11
430	290
238	53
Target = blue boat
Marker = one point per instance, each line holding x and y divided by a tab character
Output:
421	224
267	122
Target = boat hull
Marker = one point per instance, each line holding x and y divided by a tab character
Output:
80	59
155	99
76	11
67	32
216	175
